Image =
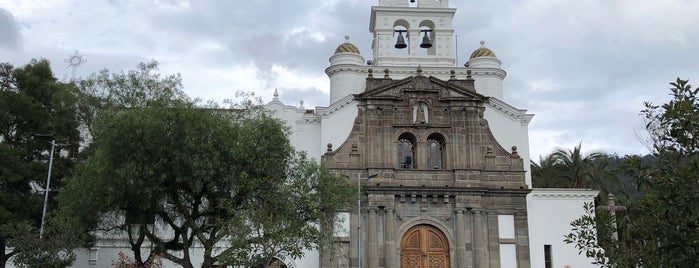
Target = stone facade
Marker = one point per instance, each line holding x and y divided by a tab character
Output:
456	201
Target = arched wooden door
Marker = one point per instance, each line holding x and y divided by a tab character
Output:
424	246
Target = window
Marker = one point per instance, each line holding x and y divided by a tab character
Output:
406	151
547	257
93	256
435	151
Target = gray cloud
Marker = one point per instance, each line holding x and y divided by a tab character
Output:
311	97
9	30
584	67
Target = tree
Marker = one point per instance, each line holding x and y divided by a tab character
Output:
571	169
206	176
32	102
658	227
581	171
546	173
107	91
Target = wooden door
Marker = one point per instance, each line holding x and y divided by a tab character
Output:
424	246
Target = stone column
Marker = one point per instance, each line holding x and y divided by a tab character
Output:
390	248
372	247
460	238
468	215
480	239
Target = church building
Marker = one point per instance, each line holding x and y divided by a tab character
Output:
439	158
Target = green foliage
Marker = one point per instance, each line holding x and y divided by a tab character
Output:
288	218
32	102
141	87
572	169
207	174
658	227
674	126
61	235
594	234
109	92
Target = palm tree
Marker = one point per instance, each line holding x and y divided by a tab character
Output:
545	174
578	170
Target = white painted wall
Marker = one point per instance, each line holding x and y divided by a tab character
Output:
337	122
550	213
510	127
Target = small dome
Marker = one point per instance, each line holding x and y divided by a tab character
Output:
483	52
347	47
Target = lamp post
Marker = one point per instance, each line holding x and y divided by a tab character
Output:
46	190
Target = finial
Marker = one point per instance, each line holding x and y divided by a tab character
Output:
452	75
301	102
419	70
482	43
385	73
276	93
347	37
371	73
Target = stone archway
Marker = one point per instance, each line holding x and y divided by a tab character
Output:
424	246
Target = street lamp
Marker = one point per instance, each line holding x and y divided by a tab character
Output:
46	190
48	182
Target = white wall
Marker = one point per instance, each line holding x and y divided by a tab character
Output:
550	214
510	126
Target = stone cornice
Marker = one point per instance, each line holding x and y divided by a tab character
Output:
460	72
561	193
509	110
333	69
339	105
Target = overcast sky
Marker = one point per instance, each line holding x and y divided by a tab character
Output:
583	67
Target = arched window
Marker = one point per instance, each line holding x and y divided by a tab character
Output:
435	151
406	151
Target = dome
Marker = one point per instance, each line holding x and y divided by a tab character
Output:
483	52
347	47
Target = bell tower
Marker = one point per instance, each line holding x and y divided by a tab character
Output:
412	33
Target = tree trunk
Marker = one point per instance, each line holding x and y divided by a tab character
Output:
208	251
137	243
3	255
208	262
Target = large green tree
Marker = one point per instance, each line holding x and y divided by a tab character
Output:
211	177
102	93
659	226
35	109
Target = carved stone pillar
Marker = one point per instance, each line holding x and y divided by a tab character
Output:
460	238
480	239
468	216
372	248
390	248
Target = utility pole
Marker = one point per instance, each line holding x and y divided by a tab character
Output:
46	190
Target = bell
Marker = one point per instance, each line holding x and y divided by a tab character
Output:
400	43
426	42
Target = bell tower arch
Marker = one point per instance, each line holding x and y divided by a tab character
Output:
412	33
